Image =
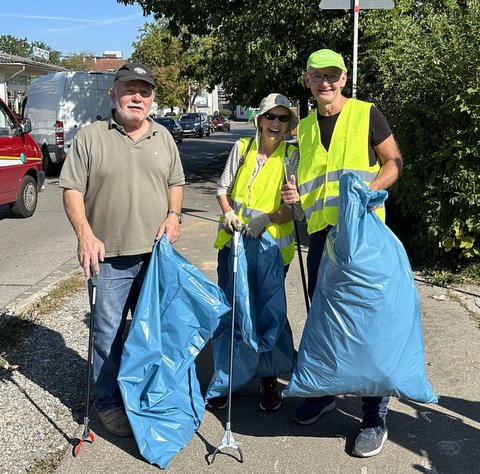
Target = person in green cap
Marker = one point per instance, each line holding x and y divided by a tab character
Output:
343	134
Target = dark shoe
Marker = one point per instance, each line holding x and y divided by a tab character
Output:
115	421
270	398
312	409
217	403
370	440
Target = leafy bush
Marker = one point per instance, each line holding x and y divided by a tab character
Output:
427	82
226	113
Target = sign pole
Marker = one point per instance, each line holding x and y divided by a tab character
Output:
356	12
355	5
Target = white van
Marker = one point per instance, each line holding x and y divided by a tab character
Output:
59	104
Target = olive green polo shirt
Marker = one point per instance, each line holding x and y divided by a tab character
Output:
124	183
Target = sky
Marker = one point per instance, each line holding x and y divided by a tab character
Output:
74	26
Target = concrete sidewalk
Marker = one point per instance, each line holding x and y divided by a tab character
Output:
443	438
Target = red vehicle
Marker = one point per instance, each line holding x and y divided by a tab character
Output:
221	123
21	175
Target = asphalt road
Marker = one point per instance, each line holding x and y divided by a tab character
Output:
43	245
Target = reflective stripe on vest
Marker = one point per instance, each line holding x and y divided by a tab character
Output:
263	195
319	171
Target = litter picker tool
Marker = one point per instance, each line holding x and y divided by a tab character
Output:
87	434
228	441
286	164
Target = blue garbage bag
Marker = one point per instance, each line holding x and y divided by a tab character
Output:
178	310
263	344
363	333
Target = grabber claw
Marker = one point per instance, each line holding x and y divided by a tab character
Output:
227	442
85	437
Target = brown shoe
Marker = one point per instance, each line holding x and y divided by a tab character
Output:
270	398
115	421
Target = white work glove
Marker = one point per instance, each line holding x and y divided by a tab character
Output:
257	225
232	222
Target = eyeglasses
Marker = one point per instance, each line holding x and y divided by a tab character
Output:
282	118
330	78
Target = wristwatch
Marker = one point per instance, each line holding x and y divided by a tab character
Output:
178	214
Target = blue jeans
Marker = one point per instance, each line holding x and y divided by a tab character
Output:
118	287
372	407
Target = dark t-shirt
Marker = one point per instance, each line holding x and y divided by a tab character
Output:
379	131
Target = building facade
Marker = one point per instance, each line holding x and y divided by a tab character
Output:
109	62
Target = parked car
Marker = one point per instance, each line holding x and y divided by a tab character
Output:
21	175
172	126
59	104
221	123
194	124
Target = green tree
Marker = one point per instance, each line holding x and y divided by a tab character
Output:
162	52
83	61
425	74
179	66
257	48
21	47
11	45
196	60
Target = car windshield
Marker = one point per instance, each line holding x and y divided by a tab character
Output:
163	120
190	117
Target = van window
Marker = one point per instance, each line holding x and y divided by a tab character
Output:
7	127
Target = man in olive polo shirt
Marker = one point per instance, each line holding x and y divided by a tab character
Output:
122	190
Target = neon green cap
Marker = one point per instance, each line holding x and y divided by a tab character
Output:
326	58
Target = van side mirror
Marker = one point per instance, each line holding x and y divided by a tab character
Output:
26	125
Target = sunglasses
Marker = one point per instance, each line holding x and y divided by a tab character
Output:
281	118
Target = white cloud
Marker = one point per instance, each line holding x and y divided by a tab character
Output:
84	23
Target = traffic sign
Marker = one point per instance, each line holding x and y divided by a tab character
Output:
350	4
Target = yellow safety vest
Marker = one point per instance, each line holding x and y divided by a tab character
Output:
319	171
262	196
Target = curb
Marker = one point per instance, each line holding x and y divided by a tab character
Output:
24	303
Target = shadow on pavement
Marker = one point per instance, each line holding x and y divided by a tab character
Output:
450	444
425	430
205	168
41	356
